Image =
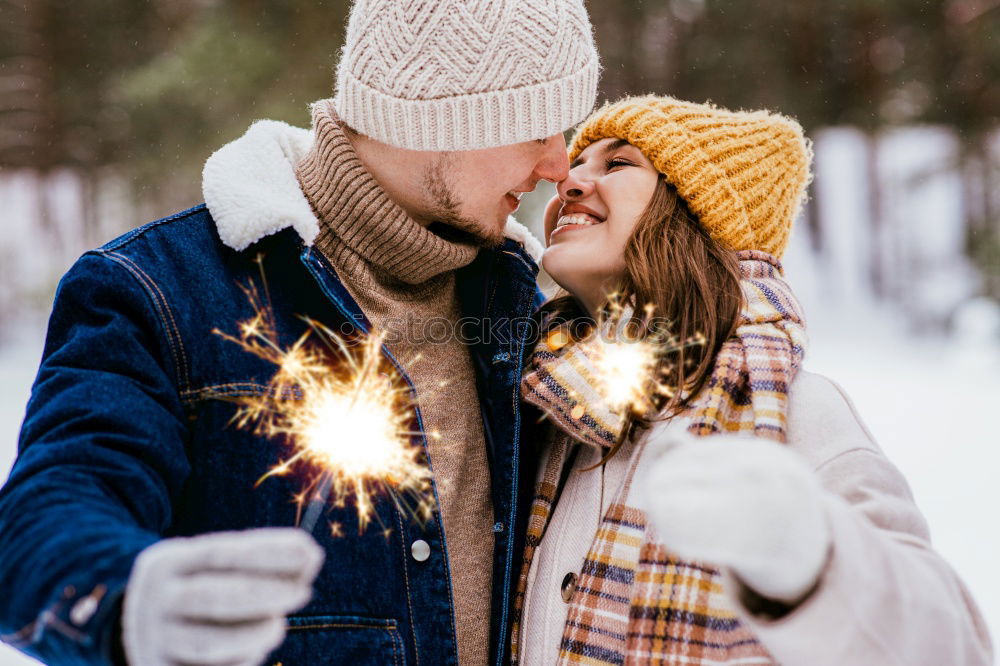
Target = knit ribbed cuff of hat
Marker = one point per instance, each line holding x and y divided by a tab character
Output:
468	122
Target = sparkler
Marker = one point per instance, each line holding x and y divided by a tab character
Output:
347	414
628	355
624	369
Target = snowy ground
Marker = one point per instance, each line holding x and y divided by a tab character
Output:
18	363
929	404
931	408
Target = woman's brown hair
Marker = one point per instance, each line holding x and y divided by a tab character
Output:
690	284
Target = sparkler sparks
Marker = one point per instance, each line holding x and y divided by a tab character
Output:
623	371
347	414
628	354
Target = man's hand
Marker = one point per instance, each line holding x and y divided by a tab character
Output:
743	503
217	599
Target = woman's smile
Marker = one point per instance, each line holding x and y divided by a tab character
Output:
575	216
570	222
607	190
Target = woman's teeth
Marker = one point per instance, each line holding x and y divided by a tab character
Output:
577	218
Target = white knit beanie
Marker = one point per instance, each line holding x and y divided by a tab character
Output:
466	74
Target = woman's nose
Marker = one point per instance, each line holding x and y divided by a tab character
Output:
576	185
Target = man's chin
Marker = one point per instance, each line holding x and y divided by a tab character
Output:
467	232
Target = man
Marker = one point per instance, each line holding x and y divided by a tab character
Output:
131	528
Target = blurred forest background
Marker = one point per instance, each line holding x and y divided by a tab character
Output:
108	109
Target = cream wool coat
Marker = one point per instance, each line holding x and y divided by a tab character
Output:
885	598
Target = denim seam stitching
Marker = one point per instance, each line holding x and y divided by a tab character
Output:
117	258
237	389
519	258
447	569
138	275
406	582
48	618
512	518
136	233
493	291
212	387
173	323
394	636
68	631
338	625
191	396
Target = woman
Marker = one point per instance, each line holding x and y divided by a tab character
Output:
652	539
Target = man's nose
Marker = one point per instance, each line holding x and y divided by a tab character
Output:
554	164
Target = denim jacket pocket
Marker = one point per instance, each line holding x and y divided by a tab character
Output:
318	640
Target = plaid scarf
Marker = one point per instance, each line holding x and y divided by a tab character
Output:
747	390
635	602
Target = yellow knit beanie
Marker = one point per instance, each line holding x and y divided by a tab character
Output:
744	174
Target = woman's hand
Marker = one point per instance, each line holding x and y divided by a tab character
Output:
742	503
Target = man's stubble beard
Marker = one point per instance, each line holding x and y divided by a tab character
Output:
445	210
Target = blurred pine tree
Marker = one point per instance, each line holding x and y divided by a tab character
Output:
149	89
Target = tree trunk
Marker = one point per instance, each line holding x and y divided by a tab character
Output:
814	223
89	184
876	256
46	220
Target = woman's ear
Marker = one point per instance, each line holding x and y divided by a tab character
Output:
551	216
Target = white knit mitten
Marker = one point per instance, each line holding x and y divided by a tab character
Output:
742	503
218	598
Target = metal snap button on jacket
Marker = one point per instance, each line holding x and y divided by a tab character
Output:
420	550
83	610
568	586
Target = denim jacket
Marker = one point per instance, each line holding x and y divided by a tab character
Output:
128	440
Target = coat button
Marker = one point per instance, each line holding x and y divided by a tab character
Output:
420	550
83	610
568	586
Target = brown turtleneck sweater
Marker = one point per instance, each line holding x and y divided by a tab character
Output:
403	277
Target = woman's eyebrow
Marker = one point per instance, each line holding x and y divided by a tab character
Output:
611	147
615	145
